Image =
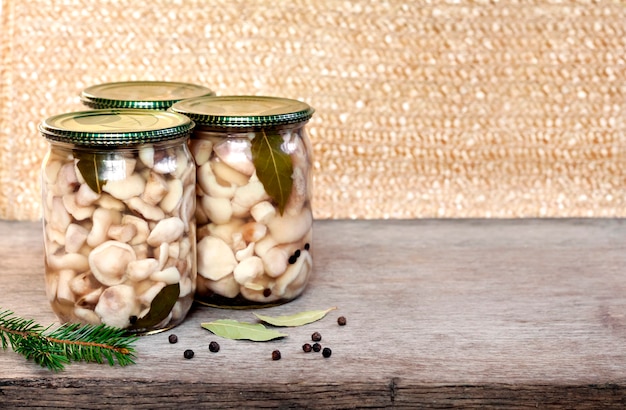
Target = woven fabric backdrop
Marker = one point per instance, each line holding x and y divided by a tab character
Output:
424	108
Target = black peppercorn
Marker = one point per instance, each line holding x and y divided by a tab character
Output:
267	292
307	347
292	259
173	338
276	355
133	319
341	321
317	347
214	347
188	354
316	337
327	352
306	246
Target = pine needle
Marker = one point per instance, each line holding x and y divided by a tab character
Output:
55	348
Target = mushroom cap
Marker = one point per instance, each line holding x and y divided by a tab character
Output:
248	269
116	305
236	153
141	226
290	228
166	230
215	258
201	150
174	195
109	260
226	286
141	269
188	206
217	209
156	188
75	237
228	175
126	188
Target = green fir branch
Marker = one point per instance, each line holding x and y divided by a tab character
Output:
54	348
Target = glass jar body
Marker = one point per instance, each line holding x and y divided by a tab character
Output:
254	215
120	234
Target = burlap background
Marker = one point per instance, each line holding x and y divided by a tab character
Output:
424	108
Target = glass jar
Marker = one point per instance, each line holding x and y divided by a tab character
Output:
254	185
151	95
118	190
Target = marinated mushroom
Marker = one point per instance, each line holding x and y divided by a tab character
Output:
248	270
75	237
78	212
124	189
141	269
236	152
151	212
156	189
109	260
166	230
173	197
217	209
85	196
215	258
116	305
209	184
102	220
223	172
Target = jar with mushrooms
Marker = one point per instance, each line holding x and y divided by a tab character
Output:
253	213
119	218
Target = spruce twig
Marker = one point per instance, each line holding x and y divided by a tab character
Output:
54	348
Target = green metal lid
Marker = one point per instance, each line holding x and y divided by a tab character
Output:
115	127
152	95
244	111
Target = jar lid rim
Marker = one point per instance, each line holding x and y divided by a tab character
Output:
141	94
115	127
242	111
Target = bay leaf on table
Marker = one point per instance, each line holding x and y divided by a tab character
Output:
232	329
298	319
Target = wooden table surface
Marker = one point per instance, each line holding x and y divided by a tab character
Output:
441	313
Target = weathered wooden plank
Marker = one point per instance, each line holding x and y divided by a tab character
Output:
469	313
146	394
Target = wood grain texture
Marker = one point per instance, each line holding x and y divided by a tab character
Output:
441	313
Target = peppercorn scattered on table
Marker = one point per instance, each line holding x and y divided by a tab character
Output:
438	313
